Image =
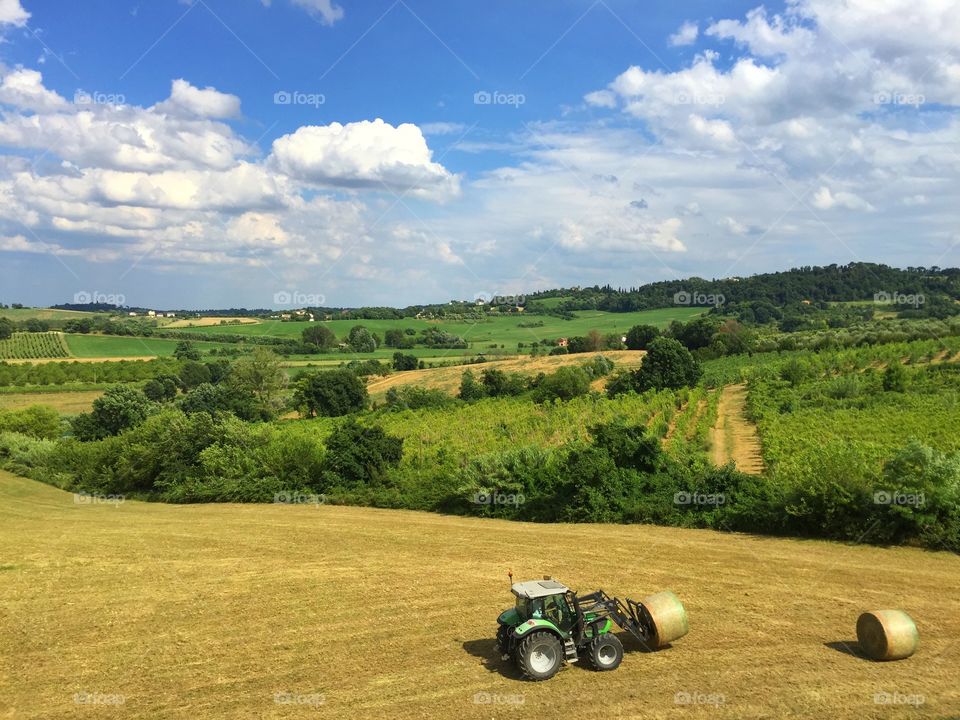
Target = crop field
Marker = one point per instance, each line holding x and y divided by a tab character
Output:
144	610
110	346
26	346
503	330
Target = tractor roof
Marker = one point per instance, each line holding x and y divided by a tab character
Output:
538	588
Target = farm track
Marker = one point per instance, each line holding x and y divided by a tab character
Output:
208	611
733	437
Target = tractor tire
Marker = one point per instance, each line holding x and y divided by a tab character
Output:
539	655
605	652
503	638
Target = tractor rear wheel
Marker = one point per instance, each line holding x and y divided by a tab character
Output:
539	655
605	652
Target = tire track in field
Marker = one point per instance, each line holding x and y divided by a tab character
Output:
733	437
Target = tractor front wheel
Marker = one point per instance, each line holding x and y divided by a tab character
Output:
539	655
605	652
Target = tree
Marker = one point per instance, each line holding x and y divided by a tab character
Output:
397	338
640	336
319	336
565	384
193	374
470	389
497	383
695	334
185	350
595	341
668	364
361	340
404	362
260	376
6	328
35	325
330	393
161	388
119	408
895	377
360	456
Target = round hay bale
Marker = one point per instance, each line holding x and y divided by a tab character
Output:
887	634
667	616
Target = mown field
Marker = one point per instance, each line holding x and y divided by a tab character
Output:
280	611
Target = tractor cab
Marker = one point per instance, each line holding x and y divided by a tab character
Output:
544	600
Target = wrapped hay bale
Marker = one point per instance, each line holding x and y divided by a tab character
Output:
887	634
667	616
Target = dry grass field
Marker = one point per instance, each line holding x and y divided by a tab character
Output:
209	321
70	402
448	378
210	611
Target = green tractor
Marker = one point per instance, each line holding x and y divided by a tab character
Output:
551	624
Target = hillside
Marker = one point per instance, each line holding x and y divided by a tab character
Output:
208	611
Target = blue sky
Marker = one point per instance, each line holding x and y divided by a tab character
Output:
232	152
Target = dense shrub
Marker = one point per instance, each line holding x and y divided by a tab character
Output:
330	393
359	455
119	408
38	421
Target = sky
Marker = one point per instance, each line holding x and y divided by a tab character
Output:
271	153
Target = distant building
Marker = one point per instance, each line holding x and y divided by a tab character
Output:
132	314
171	314
562	342
151	313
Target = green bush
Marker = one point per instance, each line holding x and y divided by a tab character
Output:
37	421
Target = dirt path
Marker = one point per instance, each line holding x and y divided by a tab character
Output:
733	436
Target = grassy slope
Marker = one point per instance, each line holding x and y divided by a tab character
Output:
94	346
20	314
502	330
207	611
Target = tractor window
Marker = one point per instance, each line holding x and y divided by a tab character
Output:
557	611
529	609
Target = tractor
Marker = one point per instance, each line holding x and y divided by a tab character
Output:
551	624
